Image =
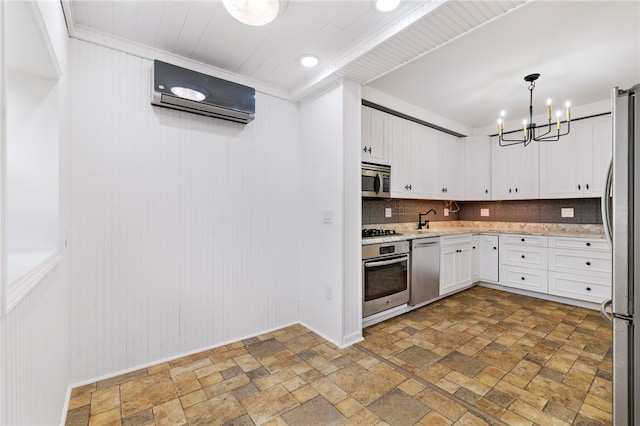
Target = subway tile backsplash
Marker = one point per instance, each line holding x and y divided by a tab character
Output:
585	210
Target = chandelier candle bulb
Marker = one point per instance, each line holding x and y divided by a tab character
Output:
568	106
549	109
558	120
524	128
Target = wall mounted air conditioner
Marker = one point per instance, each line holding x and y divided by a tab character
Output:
179	88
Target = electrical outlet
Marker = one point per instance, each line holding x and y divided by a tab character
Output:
387	212
446	212
566	212
484	212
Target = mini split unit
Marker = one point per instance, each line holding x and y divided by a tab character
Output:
179	88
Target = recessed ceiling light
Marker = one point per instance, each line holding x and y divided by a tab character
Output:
387	5
253	12
309	61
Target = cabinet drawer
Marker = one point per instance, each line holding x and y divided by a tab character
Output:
523	278
579	261
527	240
523	256
451	240
591	288
596	244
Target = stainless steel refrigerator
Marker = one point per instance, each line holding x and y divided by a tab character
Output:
621	216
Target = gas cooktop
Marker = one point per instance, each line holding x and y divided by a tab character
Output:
368	233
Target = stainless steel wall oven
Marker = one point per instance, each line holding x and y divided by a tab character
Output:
385	276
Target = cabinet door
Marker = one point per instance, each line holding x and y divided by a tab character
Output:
525	171
477	168
463	265
375	136
595	159
559	170
514	171
448	282
397	158
430	143
451	166
417	162
475	259
488	258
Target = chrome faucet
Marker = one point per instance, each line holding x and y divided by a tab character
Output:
426	222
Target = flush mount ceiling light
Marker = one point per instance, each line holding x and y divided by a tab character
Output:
529	128
309	61
387	5
253	12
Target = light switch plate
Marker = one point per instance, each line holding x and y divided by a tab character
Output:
446	212
327	216
387	212
566	212
484	212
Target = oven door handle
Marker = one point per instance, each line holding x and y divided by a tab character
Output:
387	261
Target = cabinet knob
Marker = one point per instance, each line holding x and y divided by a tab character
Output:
522	239
509	190
579	187
587	186
522	256
588	263
588	288
486	191
516	189
495	248
474	247
522	278
588	244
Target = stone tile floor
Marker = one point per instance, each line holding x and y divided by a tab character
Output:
476	358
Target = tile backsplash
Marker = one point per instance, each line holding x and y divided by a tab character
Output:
402	211
585	211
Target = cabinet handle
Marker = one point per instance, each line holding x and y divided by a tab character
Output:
509	190
409	187
588	244
587	186
579	187
486	191
588	263
516	189
364	149
446	190
369	150
588	288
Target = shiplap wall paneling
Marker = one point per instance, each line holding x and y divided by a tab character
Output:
183	227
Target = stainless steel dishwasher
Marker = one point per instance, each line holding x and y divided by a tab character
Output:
425	270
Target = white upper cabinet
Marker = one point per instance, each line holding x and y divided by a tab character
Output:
514	171
450	171
407	159
375	136
477	167
575	165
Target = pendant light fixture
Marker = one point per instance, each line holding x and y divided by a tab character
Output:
253	12
531	131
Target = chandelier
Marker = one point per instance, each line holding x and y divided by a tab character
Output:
531	131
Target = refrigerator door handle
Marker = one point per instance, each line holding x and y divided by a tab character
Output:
608	314
605	202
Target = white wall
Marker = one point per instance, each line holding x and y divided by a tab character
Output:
330	294
183	230
34	335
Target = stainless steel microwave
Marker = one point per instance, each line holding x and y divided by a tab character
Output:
376	181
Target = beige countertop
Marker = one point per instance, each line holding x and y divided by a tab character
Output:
409	231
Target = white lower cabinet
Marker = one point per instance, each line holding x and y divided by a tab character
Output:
523	262
455	263
580	268
488	258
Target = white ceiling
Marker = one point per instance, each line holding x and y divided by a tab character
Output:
463	60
